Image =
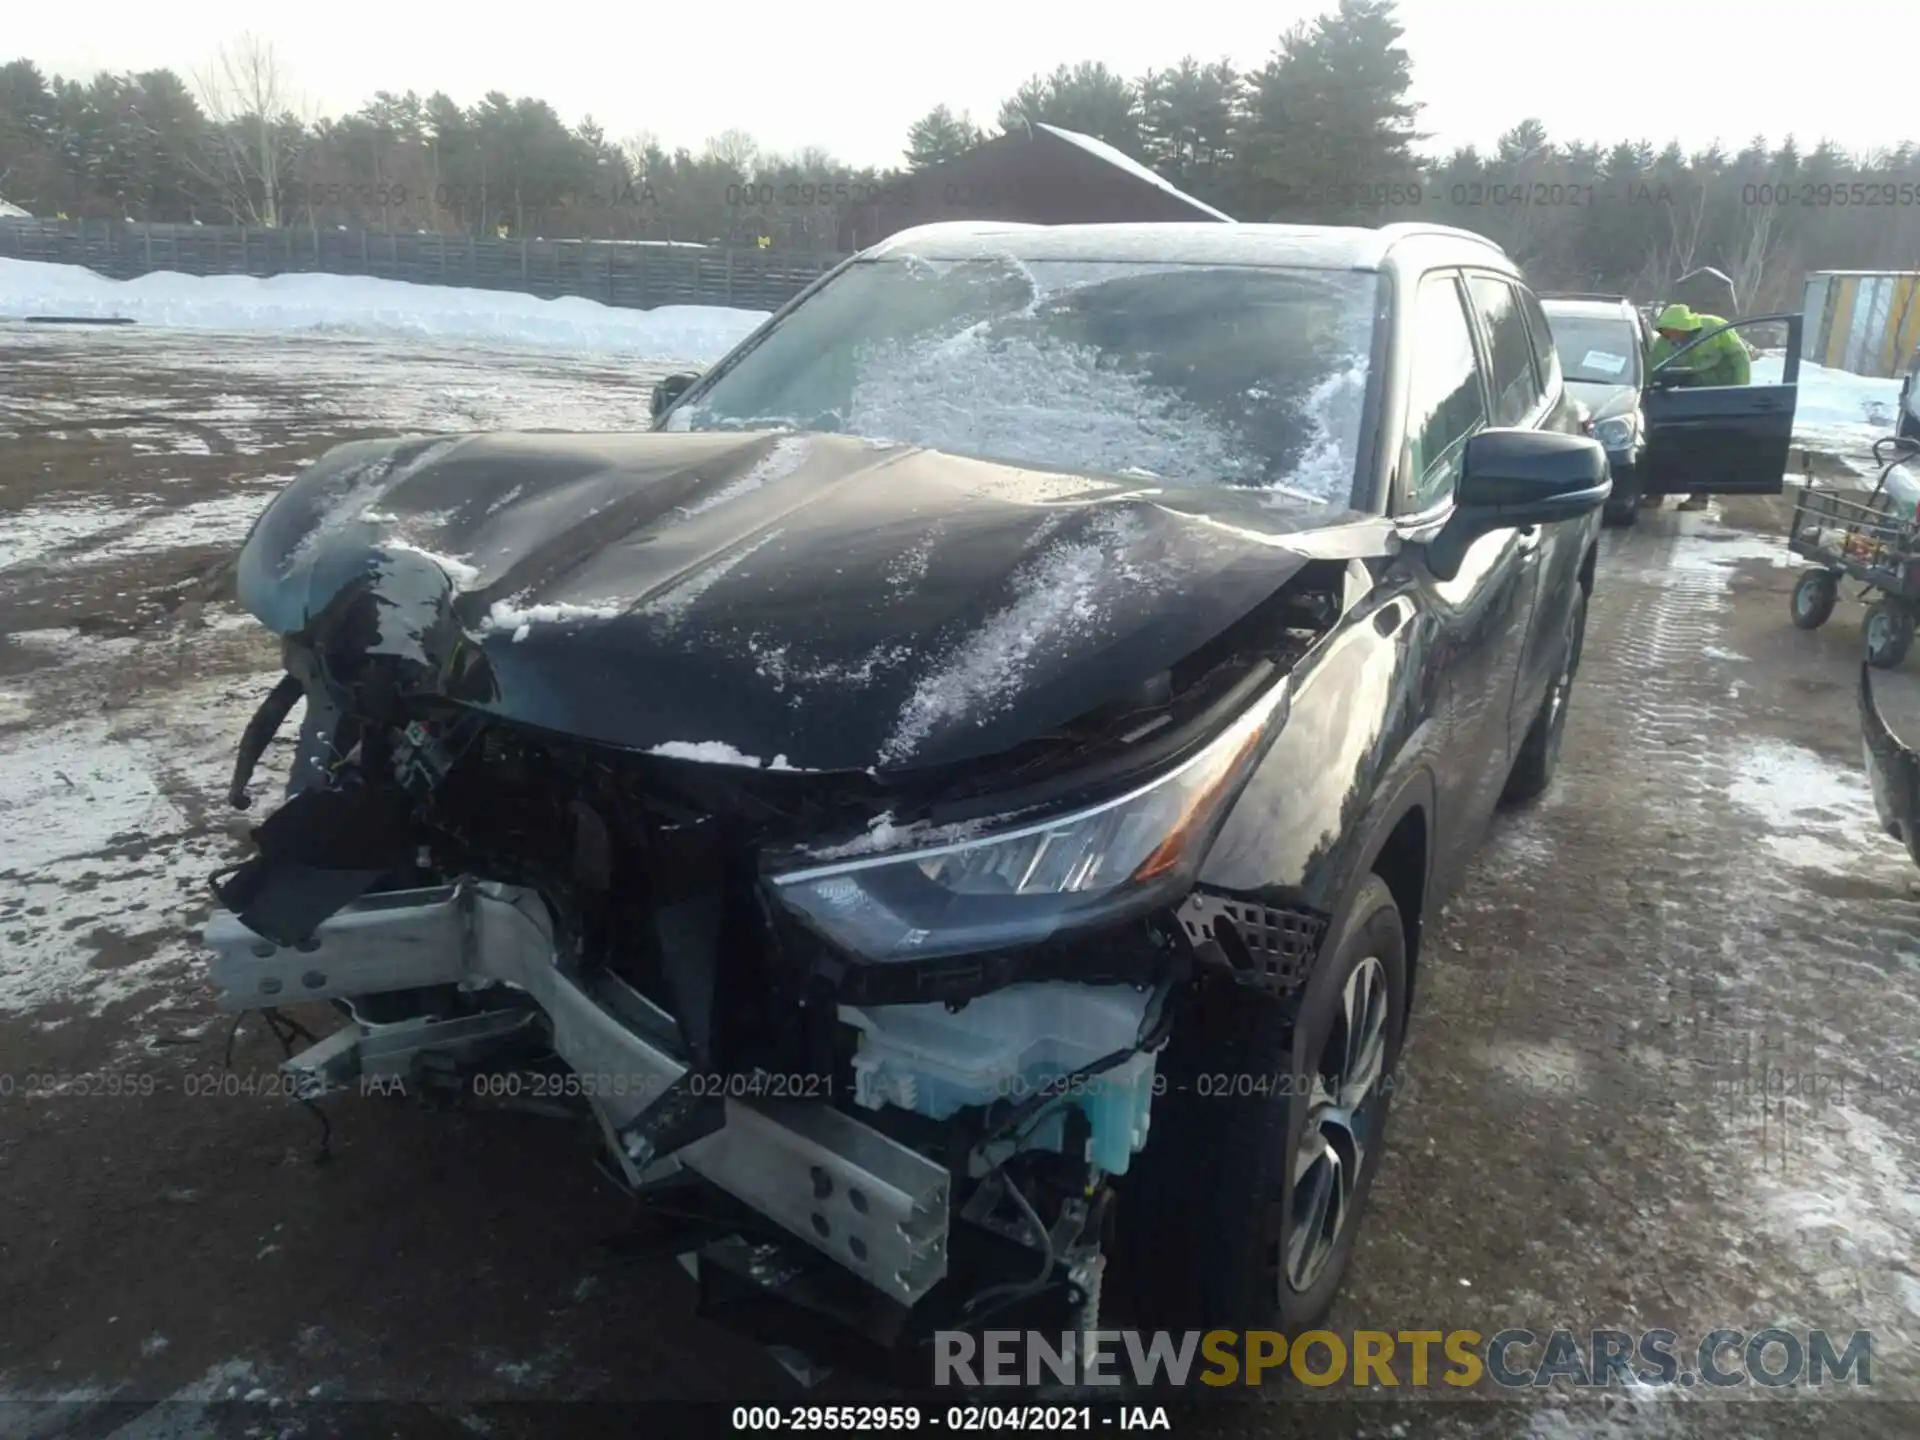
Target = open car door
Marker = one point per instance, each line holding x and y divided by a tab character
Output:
1720	439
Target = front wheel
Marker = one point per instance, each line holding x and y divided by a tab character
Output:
1620	513
1813	599
1624	504
1243	1207
1888	632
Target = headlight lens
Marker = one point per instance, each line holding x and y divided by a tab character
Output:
1022	885
1615	433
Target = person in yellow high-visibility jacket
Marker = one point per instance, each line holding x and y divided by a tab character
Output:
1721	360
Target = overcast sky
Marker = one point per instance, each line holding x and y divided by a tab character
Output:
852	77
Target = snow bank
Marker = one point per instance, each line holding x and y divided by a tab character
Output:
360	303
1835	397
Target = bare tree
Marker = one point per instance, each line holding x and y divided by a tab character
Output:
1756	251
636	148
737	151
258	127
1684	226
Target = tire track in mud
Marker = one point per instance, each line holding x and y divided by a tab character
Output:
1628	963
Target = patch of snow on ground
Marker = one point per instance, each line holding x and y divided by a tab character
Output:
16	704
1636	1412
1842	1192
1528	844
79	925
1821	813
70	790
221	521
1555	1069
1835	398
363	304
27	536
1710	548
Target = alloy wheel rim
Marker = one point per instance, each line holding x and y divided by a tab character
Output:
1337	1136
1879	632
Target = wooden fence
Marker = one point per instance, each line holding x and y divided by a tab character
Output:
632	274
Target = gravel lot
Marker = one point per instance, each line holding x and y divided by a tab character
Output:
1664	1071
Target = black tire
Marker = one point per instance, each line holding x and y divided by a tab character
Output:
1888	633
1813	599
1539	757
1623	505
1205	1217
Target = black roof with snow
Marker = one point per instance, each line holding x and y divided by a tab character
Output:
1313	247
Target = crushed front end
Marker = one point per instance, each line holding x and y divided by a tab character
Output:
891	1036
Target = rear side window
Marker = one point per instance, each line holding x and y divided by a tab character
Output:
1516	387
1445	403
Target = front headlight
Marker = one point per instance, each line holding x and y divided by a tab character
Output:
1022	885
1616	433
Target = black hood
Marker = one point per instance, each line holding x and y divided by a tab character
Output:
818	602
1605	401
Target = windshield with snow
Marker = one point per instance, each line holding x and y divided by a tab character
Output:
1196	374
1599	349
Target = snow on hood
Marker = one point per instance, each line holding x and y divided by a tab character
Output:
812	601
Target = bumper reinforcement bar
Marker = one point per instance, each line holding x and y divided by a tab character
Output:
873	1205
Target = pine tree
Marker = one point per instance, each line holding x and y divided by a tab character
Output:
1329	124
940	135
1087	98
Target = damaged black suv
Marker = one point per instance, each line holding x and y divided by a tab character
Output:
962	794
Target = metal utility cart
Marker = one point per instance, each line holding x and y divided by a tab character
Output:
1874	541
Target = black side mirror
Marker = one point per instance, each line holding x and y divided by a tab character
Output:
666	391
1519	477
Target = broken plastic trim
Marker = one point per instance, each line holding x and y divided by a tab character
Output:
261	729
1269	947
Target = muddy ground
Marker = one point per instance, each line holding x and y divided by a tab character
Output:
1664	1070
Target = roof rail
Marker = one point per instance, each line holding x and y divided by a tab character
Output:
1408	228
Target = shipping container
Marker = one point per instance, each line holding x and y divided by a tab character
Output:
1866	322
